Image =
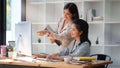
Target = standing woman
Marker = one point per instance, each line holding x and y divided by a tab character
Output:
63	31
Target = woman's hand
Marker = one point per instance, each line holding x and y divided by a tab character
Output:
41	33
53	56
39	56
52	39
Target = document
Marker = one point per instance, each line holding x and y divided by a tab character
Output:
58	42
49	29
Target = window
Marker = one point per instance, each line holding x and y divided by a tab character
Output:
13	15
8	9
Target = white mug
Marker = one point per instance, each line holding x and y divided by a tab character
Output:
67	59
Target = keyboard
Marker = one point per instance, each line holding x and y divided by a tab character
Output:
51	60
25	59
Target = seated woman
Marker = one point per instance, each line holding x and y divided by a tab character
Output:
80	46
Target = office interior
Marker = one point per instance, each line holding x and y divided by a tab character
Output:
104	27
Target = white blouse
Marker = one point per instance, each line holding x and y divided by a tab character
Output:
63	33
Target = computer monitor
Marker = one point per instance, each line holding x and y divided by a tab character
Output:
23	39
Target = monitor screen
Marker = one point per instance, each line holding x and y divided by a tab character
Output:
22	39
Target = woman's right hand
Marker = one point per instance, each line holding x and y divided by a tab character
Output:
39	56
41	33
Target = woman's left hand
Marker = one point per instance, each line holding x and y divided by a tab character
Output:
52	39
52	56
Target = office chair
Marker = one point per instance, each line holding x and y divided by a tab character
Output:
101	57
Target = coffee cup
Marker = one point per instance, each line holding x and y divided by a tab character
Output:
67	59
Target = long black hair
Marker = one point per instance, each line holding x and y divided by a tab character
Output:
72	9
82	25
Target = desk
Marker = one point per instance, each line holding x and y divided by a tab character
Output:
60	64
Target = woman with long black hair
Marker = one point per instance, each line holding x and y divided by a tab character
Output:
80	46
62	33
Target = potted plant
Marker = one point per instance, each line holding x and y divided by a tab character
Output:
39	40
10	51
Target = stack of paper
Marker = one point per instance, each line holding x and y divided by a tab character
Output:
84	58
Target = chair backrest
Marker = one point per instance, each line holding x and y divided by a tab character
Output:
102	57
